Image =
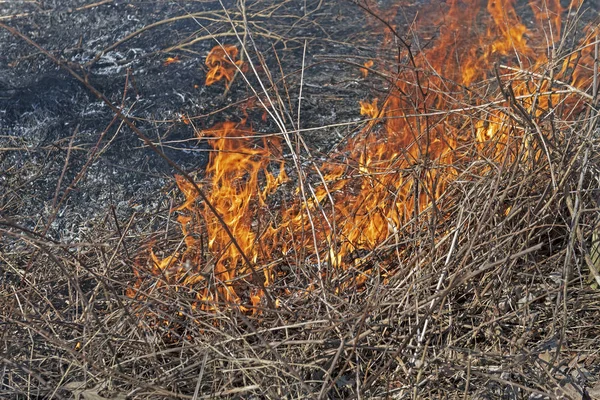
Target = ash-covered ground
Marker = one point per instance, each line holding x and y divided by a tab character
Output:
65	158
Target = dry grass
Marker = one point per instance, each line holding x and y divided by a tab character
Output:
492	293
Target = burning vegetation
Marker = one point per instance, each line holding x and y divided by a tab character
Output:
447	246
481	95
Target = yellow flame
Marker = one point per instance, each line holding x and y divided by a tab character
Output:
398	167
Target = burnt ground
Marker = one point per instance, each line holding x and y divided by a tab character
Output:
43	110
72	174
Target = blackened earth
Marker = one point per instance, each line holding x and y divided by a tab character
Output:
44	111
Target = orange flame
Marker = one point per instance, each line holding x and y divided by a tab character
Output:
365	71
429	126
369	109
171	60
222	64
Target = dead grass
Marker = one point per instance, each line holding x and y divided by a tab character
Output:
492	293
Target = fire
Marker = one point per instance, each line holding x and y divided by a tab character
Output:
365	71
222	64
435	120
171	60
240	176
369	109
